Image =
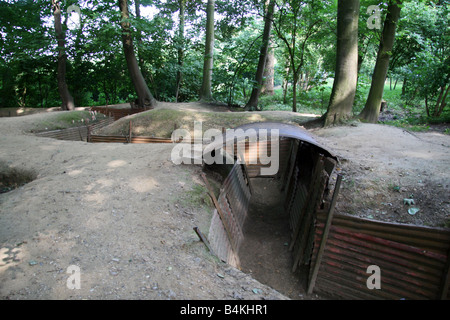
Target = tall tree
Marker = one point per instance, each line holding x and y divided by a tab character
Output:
346	74
269	73
296	23
421	54
180	47
259	78
66	97
137	9
371	110
205	91
145	98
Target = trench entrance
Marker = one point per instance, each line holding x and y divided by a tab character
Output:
264	252
265	223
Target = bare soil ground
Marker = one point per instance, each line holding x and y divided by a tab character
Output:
125	213
384	168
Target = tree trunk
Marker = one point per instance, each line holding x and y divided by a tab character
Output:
269	73
145	98
286	81
404	86
441	103
346	75
7	94
140	57
205	91
371	110
253	102
294	92
180	48
77	85
64	93
395	83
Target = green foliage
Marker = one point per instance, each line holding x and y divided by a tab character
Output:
25	65
304	33
235	65
424	56
67	119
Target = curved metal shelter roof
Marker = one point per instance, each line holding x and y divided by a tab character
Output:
284	130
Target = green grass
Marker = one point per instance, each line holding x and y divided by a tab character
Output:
161	122
410	115
196	197
65	119
314	101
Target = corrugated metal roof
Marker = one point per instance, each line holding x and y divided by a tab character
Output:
284	130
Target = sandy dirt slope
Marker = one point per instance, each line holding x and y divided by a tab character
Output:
124	213
118	212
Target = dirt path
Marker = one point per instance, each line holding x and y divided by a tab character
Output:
114	210
265	252
124	214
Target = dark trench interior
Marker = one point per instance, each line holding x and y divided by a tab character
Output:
264	252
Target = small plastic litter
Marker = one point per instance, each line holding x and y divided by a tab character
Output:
32	263
413	211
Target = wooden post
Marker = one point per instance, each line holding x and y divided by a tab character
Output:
247	177
323	241
203	239
129	135
79	132
89	132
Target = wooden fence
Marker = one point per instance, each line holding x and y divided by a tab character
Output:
126	139
80	133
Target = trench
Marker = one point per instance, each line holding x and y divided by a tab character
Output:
265	224
265	251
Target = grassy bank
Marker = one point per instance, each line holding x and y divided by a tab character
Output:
161	122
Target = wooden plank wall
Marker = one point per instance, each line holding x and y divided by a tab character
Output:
233	200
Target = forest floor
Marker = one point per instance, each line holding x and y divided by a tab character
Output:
124	213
